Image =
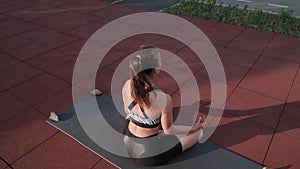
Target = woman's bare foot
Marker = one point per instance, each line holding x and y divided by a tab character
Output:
202	121
198	124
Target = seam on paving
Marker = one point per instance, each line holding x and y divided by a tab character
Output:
256	60
278	122
33	5
24	81
7	164
78	26
177	89
249	90
227	46
87	147
42	101
32	107
40	74
244	51
37	68
273	134
204	66
185	82
42	26
51	136
26	109
237	153
212	26
97	163
56	93
26	21
238	34
16	34
236	86
249	71
272	57
42	71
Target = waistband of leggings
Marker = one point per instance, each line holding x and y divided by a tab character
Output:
129	134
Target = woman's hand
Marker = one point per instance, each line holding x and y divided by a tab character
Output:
199	123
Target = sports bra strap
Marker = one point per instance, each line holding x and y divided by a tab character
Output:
133	103
145	115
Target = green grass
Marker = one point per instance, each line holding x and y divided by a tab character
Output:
284	22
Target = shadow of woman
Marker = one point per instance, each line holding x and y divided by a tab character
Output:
238	126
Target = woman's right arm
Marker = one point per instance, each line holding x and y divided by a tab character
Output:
125	97
167	116
167	121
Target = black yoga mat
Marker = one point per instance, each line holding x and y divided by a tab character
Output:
204	156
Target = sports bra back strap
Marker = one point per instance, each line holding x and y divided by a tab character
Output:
132	104
145	115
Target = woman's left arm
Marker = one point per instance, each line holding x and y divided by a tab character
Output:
125	99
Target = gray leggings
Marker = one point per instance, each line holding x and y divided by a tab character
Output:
153	150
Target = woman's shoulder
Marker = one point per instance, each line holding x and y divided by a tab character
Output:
158	93
126	85
126	89
158	98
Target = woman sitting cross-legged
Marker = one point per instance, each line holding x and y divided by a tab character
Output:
149	108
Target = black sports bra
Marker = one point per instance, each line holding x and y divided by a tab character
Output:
142	121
